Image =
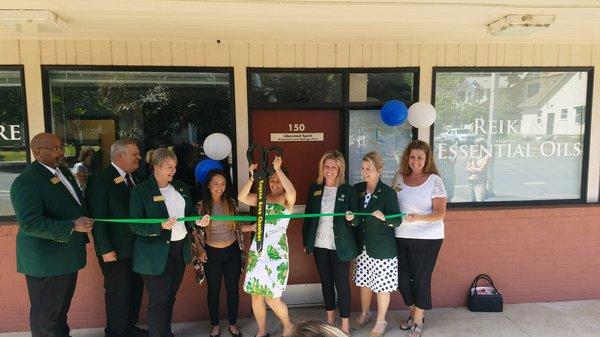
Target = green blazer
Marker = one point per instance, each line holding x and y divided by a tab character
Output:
345	200
45	210
377	236
151	248
107	197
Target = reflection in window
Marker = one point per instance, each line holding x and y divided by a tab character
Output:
13	143
381	87
296	88
368	133
91	109
517	144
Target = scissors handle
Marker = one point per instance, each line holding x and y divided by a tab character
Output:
250	154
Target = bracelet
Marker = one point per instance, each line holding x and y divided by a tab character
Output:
251	179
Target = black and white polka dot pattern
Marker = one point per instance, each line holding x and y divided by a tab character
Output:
379	275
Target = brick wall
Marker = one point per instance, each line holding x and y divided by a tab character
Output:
533	254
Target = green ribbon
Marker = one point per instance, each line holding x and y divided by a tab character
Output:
243	217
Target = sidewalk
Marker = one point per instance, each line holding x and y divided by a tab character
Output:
573	319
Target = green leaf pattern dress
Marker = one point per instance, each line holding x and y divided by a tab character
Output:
267	273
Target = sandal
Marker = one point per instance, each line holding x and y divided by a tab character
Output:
406	325
378	334
362	320
416	330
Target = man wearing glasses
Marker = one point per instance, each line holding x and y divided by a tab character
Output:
50	210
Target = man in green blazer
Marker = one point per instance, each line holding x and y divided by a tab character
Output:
50	210
107	195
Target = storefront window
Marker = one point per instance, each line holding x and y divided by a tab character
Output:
282	88
93	108
13	139
381	87
368	133
511	135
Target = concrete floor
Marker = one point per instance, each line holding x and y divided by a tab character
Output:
577	318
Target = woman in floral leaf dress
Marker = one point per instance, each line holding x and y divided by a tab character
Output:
267	271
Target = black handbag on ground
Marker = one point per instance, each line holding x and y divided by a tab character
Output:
484	299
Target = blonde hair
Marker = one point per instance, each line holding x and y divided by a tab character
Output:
375	159
429	167
316	329
159	155
341	163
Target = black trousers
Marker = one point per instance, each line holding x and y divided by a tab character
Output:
50	299
416	260
223	263
122	296
333	272
162	290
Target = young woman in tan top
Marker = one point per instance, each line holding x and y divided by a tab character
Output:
218	250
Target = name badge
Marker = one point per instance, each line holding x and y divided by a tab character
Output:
55	180
119	180
158	198
317	193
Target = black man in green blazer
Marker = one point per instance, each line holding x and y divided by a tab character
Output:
50	210
376	268
107	196
161	250
331	239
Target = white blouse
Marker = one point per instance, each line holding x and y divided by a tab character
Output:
417	200
325	237
176	207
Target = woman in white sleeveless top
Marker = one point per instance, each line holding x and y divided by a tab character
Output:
421	195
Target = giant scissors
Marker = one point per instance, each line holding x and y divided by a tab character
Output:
263	171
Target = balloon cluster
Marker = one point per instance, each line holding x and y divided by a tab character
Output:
419	115
217	146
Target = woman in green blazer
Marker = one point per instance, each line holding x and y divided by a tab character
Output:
376	268
331	239
161	250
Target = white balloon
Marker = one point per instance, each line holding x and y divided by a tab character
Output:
421	115
217	146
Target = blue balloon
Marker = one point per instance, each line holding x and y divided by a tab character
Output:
394	112
205	166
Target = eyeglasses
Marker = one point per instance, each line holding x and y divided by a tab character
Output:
54	149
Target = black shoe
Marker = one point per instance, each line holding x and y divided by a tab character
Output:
239	334
134	331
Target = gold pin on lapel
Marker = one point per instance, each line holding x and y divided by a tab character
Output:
158	198
119	180
55	180
397	188
317	193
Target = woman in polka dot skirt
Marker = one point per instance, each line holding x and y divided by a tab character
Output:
376	269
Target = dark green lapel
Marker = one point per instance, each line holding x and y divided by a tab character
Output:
155	191
340	197
317	197
374	196
114	176
41	168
